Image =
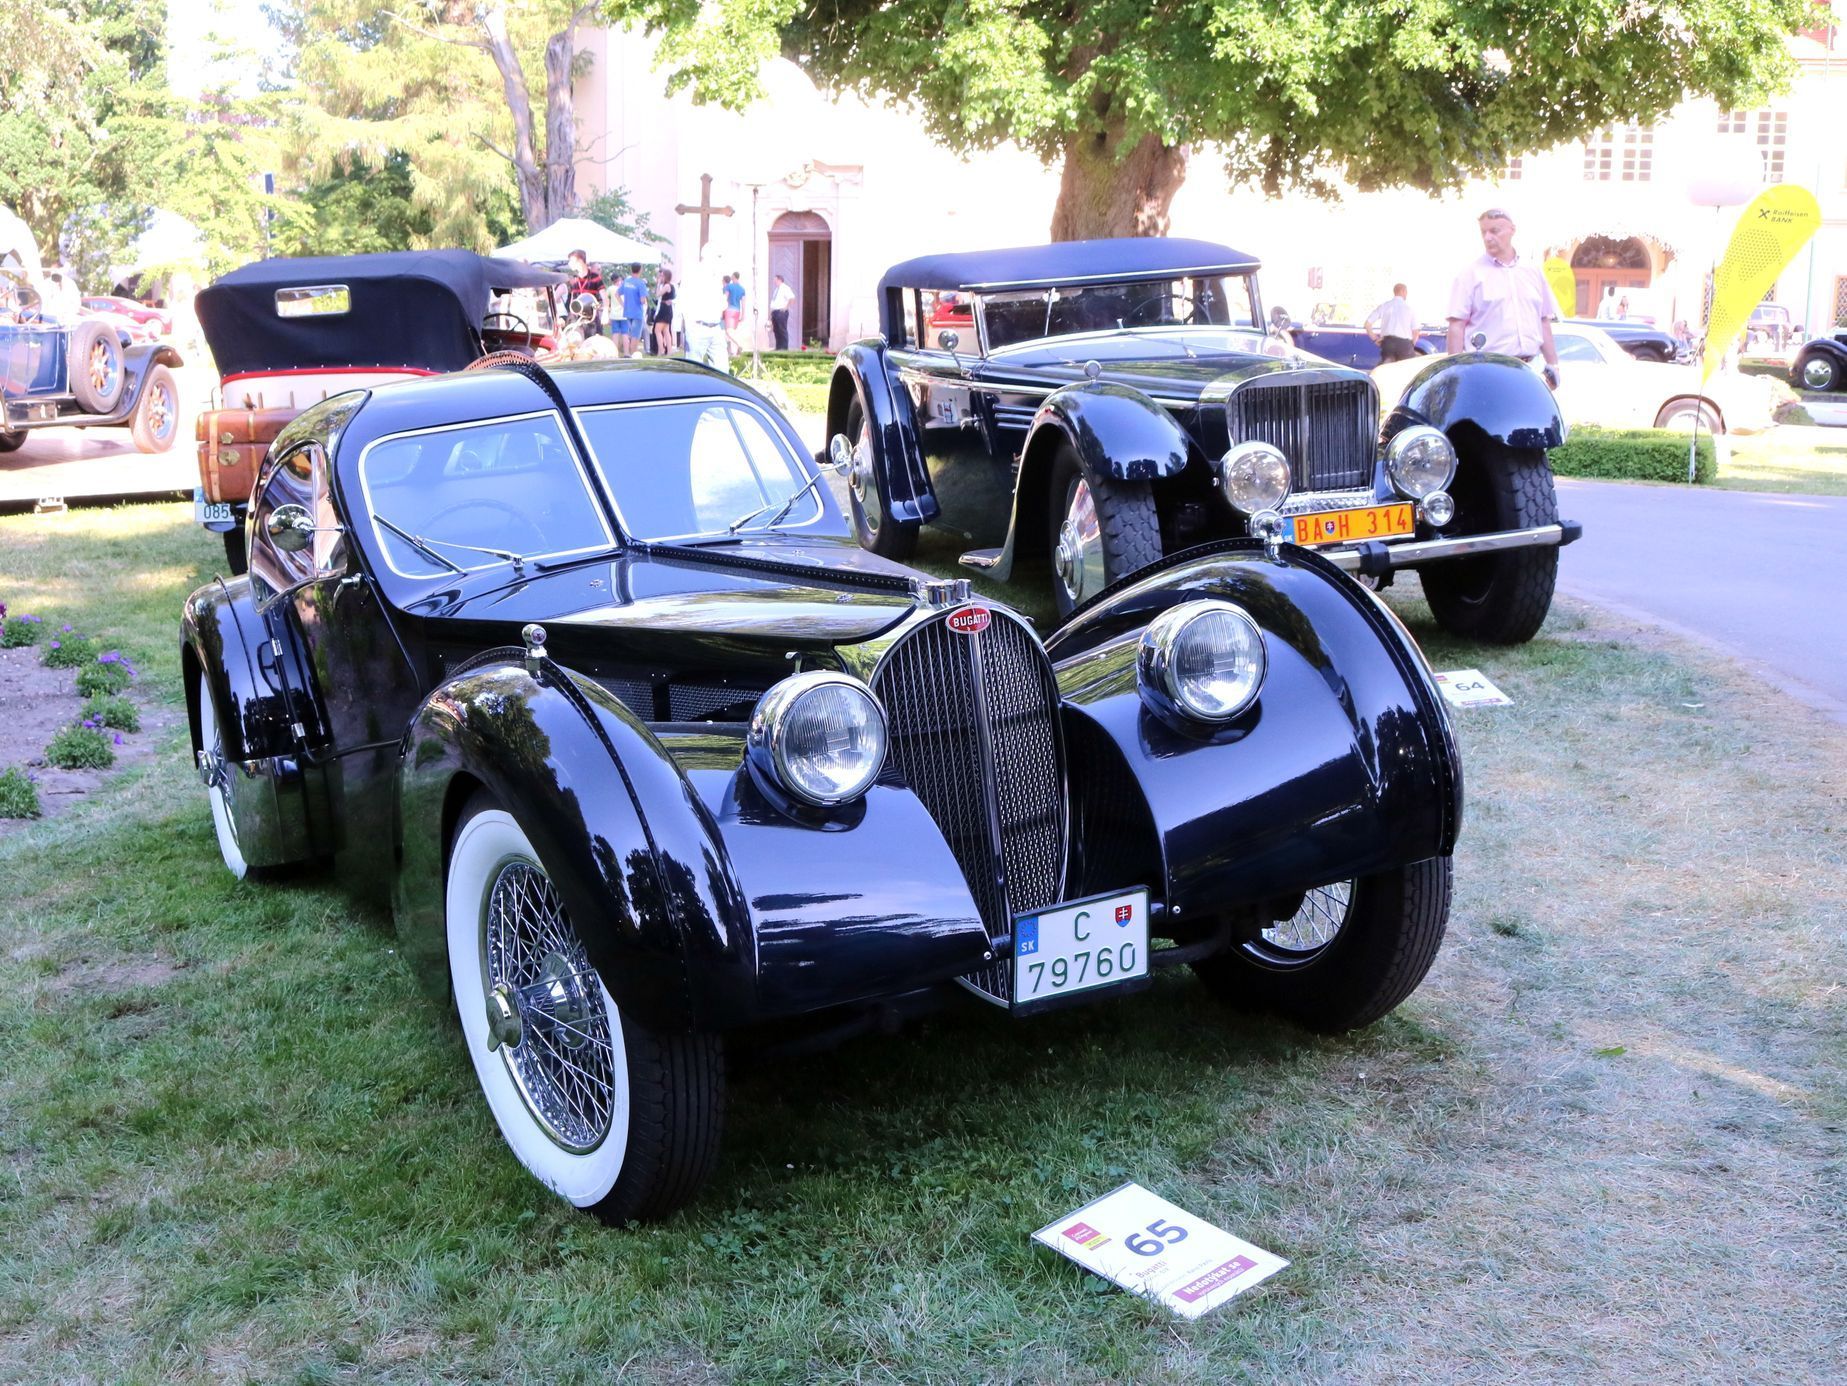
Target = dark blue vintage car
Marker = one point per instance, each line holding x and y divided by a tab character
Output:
1100	405
584	671
1821	364
55	372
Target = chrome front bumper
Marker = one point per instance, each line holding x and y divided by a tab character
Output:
1375	559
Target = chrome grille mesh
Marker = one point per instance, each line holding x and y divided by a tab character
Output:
1324	427
974	731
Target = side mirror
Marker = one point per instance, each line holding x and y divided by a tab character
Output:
840	454
290	528
949	341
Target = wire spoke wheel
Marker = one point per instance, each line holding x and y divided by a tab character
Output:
560	1054
1315	924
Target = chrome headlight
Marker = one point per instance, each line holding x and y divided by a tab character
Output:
821	736
1254	476
1203	659
1420	460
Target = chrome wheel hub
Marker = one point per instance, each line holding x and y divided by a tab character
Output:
545	1011
1816	373
211	769
1077	555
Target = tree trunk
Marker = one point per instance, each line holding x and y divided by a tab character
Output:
526	168
1106	191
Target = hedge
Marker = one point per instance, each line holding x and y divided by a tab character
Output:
1633	454
789	367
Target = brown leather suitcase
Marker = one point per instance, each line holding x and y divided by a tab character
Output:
232	443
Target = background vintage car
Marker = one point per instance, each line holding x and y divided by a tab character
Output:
289	332
1642	340
1348	344
584	670
1108	409
1600	383
1821	364
55	373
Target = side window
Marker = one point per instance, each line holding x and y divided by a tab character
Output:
1572	347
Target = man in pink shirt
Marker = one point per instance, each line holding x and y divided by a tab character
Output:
1503	297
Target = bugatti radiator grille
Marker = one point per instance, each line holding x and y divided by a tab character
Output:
1324	427
974	730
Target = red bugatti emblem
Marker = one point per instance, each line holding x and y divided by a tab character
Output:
970	620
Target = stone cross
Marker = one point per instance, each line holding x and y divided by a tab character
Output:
705	209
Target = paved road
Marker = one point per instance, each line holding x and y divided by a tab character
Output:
1760	577
71	463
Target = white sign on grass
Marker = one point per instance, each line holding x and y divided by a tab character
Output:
1159	1250
1471	688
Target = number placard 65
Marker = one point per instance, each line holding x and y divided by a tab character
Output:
1163	1234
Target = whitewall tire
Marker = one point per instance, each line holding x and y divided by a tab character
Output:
613	1119
215	772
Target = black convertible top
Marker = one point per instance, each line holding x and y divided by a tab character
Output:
1125	259
420	308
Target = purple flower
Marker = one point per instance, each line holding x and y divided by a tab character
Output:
2	611
57	644
90	722
64	627
36	620
118	738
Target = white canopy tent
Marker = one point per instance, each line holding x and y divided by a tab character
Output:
18	246
604	247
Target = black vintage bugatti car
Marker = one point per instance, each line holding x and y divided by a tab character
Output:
1101	403
584	670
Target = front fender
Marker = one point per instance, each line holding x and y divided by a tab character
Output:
1117	432
865	368
1496	394
1346	764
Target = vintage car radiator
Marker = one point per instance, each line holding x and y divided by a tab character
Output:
974	731
1324	427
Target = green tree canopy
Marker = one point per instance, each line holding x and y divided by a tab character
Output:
1294	93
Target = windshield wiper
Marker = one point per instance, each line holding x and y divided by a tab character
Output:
743	520
423	546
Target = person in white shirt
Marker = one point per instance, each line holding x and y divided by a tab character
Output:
1394	327
782	298
1504	298
1609	310
701	301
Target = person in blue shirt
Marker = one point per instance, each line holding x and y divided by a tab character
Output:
632	300
734	309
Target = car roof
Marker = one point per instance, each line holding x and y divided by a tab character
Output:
408	308
1124	259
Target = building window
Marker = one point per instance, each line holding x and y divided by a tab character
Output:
1513	169
1734	123
1772	137
1840	302
1624	153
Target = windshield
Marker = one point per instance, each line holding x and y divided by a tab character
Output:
684	469
462	498
1033	314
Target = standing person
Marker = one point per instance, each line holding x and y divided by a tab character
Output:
1504	298
1606	310
663	315
632	296
1394	327
734	309
586	278
782	299
702	308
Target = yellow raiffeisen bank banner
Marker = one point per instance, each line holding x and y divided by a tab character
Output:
1564	286
1774	227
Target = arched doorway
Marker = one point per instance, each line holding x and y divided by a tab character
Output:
802	252
1600	261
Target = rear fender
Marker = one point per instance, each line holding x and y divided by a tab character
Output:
1497	394
865	368
1117	432
1346	764
277	795
138	363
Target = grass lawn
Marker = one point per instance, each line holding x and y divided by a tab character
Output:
1603	1142
1811	461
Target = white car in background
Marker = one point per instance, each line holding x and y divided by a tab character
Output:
1601	384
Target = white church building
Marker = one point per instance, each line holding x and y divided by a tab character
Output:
829	192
